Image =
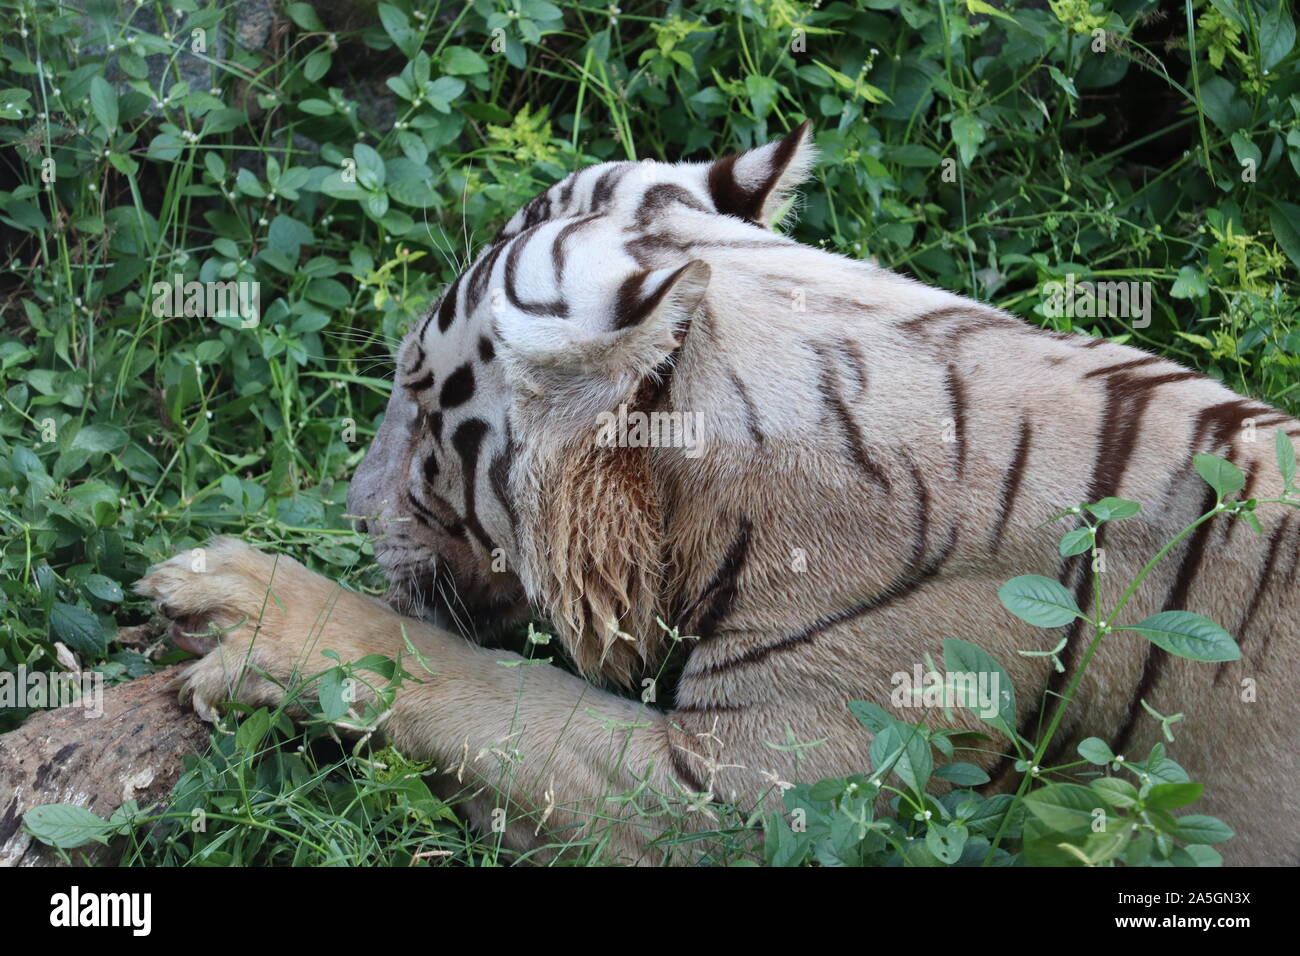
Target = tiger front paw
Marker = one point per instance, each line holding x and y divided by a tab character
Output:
248	613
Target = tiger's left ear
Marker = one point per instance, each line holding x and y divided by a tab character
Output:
756	185
584	370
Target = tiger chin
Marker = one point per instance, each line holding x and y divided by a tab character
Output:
873	458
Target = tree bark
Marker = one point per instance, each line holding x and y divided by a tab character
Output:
132	751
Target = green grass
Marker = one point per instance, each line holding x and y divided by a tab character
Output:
986	150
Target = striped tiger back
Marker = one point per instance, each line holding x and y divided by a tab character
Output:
872	458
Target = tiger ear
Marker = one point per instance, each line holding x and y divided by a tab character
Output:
587	372
756	185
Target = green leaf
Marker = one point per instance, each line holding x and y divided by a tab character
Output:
1075	542
13	103
332	702
946	842
103	103
288	235
1203	855
1198	828
1188	635
1284	217
1113	509
462	61
1039	601
963	657
1285	458
316	65
66	826
872	716
1063	81
1276	35
968	132
1190	284
78	628
1096	751
1116	792
316	107
397	26
1223	476
1172	796
979	6
248	738
908	751
100	439
304	15
104	588
912	154
370	166
1065	807
962	774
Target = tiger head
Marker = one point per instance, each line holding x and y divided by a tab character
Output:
488	487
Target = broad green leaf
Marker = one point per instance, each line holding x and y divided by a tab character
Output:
1284	217
1203	855
462	61
968	132
100	438
1198	828
1075	542
1095	751
1189	635
104	588
1063	81
316	65
962	774
1223	476
332	699
963	657
1112	509
906	751
1172	796
370	166
1115	791
78	628
304	15
398	26
103	103
248	738
66	826
946	842
987	9
1065	807
1190	284
1276	34
1285	458
912	154
872	716
1039	601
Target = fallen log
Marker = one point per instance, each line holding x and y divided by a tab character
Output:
132	751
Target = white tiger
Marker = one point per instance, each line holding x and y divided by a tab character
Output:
873	459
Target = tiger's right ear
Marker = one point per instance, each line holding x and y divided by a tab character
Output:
755	185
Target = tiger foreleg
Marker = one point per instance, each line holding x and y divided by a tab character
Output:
547	759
